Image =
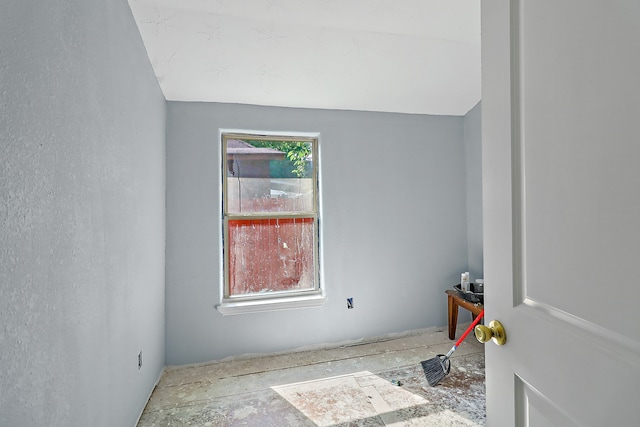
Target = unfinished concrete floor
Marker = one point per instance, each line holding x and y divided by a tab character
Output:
377	382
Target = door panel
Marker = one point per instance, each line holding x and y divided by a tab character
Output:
577	90
535	410
561	102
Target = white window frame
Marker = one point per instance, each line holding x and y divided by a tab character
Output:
281	300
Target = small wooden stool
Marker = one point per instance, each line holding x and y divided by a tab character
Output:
455	300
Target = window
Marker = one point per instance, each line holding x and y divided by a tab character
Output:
270	220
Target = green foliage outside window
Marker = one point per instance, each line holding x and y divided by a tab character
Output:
297	152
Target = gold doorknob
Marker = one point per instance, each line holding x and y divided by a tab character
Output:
495	331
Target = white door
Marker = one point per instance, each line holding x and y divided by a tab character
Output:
561	195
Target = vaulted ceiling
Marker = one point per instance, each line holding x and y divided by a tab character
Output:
409	56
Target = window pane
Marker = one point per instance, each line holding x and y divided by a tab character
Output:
269	176
270	255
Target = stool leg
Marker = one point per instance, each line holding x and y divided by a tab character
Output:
453	317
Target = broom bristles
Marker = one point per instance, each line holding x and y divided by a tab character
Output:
436	369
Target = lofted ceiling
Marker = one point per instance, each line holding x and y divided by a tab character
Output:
409	56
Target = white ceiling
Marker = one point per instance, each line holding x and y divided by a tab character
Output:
410	56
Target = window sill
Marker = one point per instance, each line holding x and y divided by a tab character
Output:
228	307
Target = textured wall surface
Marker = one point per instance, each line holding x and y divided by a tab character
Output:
82	169
393	223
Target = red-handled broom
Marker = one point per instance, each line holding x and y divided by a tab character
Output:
437	368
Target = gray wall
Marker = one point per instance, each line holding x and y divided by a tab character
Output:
473	149
394	224
82	224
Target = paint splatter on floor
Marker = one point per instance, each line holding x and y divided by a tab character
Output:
373	384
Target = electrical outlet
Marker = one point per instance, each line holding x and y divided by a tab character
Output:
140	360
349	303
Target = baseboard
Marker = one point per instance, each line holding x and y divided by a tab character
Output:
149	396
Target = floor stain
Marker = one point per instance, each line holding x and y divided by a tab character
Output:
371	384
